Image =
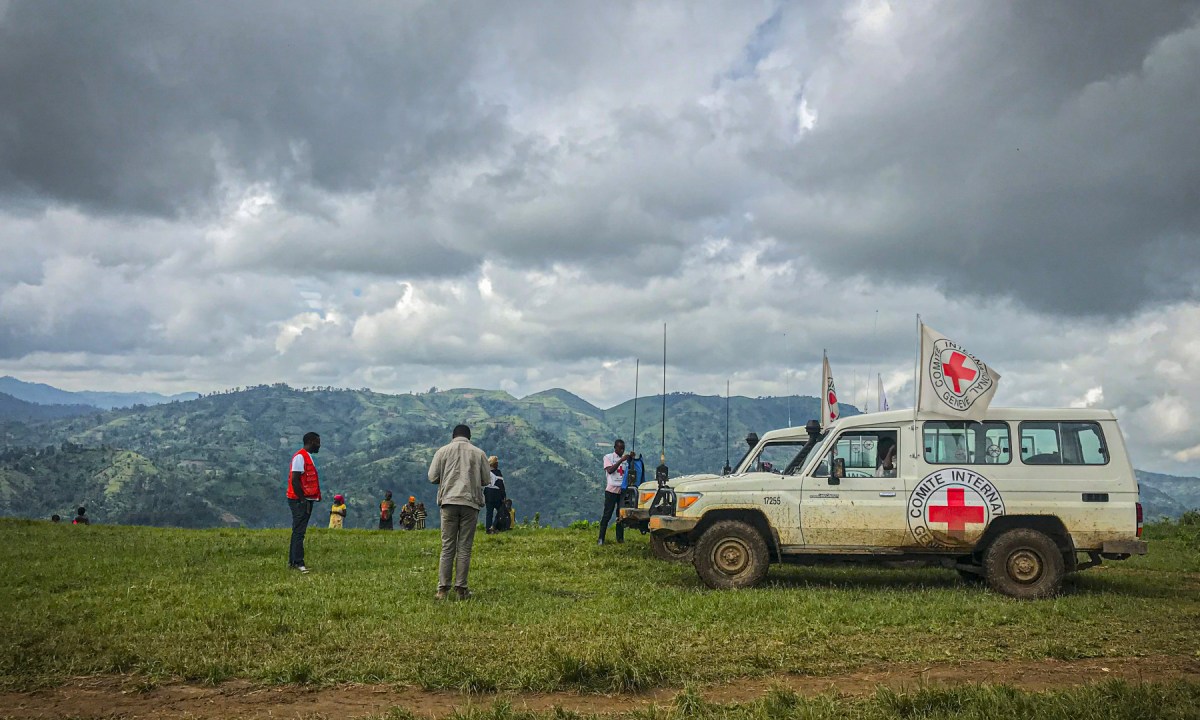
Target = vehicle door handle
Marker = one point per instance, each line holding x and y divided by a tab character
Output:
887	494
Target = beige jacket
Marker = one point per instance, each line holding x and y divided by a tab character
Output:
460	470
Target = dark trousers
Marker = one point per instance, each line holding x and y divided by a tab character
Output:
611	501
385	524
493	509
301	512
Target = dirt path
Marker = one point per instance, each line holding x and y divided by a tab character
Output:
112	697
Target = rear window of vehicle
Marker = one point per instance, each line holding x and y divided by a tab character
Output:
967	443
1063	443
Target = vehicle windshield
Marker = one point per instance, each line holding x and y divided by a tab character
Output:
815	454
775	457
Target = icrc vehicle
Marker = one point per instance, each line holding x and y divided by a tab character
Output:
1018	500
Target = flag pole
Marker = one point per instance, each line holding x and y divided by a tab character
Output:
917	369
917	383
874	344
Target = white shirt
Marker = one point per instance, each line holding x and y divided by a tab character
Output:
613	479
298	463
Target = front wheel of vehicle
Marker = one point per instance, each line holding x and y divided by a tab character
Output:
1024	564
731	554
672	549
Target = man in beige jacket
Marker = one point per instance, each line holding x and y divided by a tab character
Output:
460	470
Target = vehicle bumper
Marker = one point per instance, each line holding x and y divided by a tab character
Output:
664	525
632	515
1123	547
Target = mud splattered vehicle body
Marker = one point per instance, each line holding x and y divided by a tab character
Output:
1017	500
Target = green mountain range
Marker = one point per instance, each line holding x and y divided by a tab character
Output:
43	394
221	459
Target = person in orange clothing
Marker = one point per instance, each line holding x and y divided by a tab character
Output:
387	508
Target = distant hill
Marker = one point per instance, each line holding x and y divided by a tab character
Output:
222	457
14	409
42	394
1168	495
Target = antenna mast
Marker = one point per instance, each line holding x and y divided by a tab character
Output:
727	468
636	372
660	473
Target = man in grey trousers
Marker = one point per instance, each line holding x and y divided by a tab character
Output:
460	470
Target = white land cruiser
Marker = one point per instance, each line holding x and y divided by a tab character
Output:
887	487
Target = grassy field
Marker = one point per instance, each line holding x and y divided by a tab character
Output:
1105	701
552	611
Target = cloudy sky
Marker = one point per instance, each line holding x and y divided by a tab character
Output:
517	195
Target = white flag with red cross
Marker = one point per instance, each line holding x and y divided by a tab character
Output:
829	401
954	383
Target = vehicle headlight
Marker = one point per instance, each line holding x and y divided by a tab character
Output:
645	496
683	501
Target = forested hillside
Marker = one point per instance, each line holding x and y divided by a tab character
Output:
221	459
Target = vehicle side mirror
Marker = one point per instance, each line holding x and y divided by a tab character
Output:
839	471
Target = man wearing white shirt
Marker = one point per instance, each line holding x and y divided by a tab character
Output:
614	476
304	488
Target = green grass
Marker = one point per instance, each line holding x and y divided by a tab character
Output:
552	611
1105	701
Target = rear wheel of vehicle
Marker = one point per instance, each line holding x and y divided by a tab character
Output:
731	554
1024	564
672	549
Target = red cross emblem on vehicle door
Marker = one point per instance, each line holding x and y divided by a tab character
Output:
955	371
956	513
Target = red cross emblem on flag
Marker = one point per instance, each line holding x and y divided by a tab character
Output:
956	371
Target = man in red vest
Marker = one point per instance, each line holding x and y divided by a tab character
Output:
302	491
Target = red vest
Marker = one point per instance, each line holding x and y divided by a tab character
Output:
308	479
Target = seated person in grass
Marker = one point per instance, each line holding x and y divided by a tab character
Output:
81	517
337	513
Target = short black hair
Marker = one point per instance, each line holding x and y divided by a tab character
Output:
55	518
309	437
81	510
461	431
618	440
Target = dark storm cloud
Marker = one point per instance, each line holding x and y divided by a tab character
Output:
145	107
1042	151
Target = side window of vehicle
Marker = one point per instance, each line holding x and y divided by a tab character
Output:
1063	443
1083	442
776	457
868	453
967	443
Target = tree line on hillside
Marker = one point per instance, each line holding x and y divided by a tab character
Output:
221	459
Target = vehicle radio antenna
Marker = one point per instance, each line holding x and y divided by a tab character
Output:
660	473
636	372
727	468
